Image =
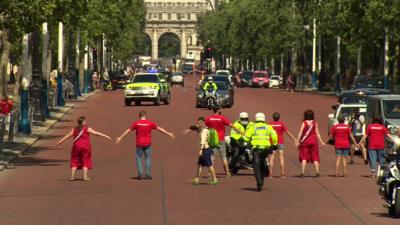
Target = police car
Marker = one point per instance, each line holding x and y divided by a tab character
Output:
147	87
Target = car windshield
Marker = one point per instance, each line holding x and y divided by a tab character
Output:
220	79
274	78
392	109
145	79
373	82
223	73
187	67
176	74
348	111
247	75
260	75
354	99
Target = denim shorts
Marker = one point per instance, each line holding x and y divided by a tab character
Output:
342	152
281	147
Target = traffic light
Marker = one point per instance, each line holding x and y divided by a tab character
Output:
209	52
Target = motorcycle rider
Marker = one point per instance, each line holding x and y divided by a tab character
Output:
263	139
237	139
210	85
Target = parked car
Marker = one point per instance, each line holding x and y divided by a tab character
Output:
260	79
177	78
275	81
345	110
386	107
147	87
224	97
359	96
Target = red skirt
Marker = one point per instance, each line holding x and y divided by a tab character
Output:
309	152
81	157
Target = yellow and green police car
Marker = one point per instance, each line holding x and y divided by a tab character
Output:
147	87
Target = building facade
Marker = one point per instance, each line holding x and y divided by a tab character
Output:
178	17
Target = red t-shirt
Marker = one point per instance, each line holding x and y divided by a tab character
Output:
218	122
376	133
341	134
143	132
6	106
280	129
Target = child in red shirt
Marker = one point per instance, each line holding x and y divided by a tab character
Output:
280	129
341	134
376	134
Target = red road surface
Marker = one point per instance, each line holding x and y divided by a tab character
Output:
37	191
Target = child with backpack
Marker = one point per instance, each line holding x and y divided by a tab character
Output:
208	140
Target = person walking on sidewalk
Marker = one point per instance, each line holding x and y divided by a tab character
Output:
205	152
290	83
280	129
376	133
219	122
341	135
307	141
81	154
143	128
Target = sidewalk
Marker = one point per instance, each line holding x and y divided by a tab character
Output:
11	151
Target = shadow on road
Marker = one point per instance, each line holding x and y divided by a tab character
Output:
34	161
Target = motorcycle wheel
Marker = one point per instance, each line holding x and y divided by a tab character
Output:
394	211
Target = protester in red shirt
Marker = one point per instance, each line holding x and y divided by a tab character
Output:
376	134
219	122
6	105
143	128
280	129
341	134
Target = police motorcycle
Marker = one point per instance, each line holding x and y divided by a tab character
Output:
210	96
388	177
245	157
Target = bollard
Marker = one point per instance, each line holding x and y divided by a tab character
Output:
11	129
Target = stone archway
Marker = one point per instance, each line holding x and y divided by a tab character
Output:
169	45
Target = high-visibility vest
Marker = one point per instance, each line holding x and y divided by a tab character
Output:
234	134
262	135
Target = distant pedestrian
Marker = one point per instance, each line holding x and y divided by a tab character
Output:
290	83
205	152
95	80
81	155
341	135
219	122
376	133
143	128
6	105
308	142
280	129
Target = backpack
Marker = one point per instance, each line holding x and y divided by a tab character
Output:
213	139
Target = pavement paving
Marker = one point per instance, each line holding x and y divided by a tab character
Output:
37	190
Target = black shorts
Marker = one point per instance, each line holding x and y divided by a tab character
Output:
205	160
358	138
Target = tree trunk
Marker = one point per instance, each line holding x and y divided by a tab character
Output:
5	51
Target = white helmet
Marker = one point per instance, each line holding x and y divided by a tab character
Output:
260	117
243	115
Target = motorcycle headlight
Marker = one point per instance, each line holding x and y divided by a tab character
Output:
379	175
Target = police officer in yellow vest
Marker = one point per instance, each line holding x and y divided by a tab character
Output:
263	139
238	140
